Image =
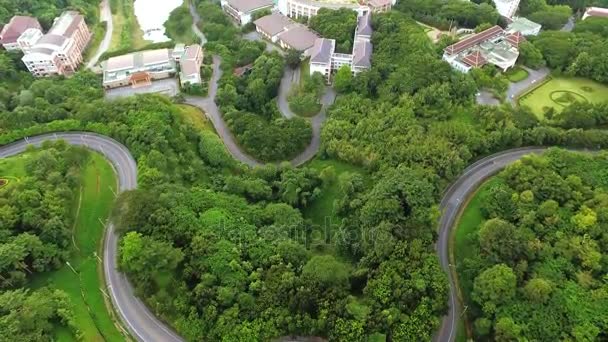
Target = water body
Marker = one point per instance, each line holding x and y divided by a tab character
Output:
152	14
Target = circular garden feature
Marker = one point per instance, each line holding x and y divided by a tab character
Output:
566	97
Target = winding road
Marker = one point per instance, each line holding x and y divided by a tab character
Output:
141	323
452	204
138	319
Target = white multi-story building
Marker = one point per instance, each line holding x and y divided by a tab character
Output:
507	8
309	8
16	27
59	51
242	10
190	65
28	39
138	69
324	59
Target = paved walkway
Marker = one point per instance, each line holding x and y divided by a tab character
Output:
169	87
517	88
105	15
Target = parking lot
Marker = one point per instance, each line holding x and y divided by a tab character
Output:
169	87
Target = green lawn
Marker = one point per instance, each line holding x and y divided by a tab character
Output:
463	238
559	92
321	210
196	118
91	315
517	74
304	68
98	32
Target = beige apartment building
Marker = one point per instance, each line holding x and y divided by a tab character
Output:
59	51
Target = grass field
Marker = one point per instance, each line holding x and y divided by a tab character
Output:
196	118
91	315
463	238
126	34
97	31
321	211
517	74
558	92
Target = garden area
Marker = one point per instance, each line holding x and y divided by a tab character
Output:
559	92
517	74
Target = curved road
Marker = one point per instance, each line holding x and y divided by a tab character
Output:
451	205
210	108
142	323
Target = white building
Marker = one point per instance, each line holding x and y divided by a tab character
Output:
138	69
242	10
525	26
17	26
28	39
309	8
190	65
324	59
507	8
59	51
494	46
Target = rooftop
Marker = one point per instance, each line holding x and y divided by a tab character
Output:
322	50
298	37
246	6
521	24
66	24
596	12
273	24
364	25
362	53
474	40
15	27
193	51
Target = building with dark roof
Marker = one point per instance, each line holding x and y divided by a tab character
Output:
242	10
15	28
325	60
59	51
297	37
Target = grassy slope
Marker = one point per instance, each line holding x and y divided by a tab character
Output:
540	97
321	210
463	237
92	317
196	118
126	34
98	32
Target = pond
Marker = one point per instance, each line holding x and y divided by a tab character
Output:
152	14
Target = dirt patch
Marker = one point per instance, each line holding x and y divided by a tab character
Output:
3	182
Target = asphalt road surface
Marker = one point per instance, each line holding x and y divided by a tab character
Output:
451	205
141	323
105	15
208	105
517	88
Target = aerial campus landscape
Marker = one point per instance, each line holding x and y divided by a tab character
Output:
304	170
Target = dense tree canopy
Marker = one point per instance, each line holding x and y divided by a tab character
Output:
445	14
46	10
336	24
538	269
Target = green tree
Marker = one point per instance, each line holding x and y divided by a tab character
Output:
494	286
343	81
